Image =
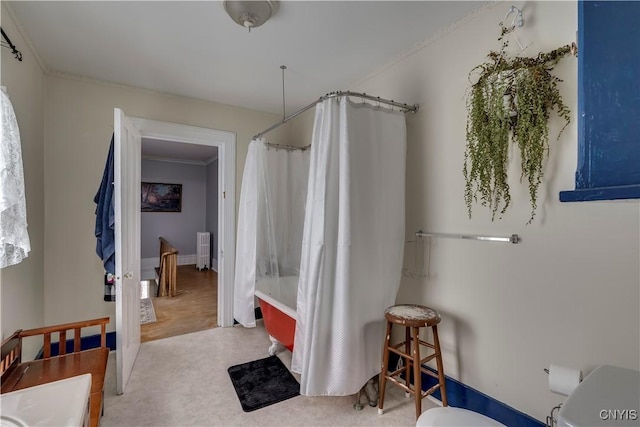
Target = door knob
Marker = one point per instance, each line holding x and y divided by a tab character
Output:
129	275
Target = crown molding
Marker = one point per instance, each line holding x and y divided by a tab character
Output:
170	160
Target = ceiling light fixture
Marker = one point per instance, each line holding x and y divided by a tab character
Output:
250	14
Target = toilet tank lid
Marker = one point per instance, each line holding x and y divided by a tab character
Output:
608	396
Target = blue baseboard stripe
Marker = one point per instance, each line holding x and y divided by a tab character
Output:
90	341
460	395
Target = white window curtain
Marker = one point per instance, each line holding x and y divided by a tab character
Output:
14	239
353	245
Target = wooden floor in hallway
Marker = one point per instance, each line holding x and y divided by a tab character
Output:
194	308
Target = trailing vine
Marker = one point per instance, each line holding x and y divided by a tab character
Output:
510	103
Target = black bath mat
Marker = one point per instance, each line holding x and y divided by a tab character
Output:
262	383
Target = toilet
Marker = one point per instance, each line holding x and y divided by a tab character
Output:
449	417
608	396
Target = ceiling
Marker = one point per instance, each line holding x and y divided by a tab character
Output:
155	149
193	48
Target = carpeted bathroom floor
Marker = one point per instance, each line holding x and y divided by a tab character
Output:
183	381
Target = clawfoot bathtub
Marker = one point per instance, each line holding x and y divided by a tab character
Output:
277	298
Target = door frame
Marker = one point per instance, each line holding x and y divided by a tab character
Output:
226	143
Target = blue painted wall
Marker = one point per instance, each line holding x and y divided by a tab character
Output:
179	228
608	101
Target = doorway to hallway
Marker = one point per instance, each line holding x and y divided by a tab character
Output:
189	138
193	309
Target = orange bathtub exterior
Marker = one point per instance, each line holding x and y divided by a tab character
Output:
278	325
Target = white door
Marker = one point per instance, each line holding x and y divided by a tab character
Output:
127	152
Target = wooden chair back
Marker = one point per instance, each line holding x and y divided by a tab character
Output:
167	271
11	354
61	330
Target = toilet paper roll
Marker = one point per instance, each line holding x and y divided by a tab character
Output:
563	380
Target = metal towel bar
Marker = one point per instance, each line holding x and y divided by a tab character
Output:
514	238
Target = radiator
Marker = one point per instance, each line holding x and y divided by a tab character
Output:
204	254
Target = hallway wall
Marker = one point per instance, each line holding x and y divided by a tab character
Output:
179	228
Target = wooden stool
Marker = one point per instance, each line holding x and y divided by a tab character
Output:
412	317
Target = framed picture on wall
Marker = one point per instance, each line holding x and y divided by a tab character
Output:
156	197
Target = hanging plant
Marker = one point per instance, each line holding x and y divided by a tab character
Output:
510	103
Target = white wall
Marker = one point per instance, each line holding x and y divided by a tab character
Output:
569	292
79	124
179	228
22	285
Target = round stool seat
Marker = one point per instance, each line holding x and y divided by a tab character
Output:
412	315
454	417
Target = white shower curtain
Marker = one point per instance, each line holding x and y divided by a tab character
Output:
352	245
270	221
245	279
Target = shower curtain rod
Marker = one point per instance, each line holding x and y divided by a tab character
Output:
363	96
286	147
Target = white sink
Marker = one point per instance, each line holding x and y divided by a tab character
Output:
59	403
608	396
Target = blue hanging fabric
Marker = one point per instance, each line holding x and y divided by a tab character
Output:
105	218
